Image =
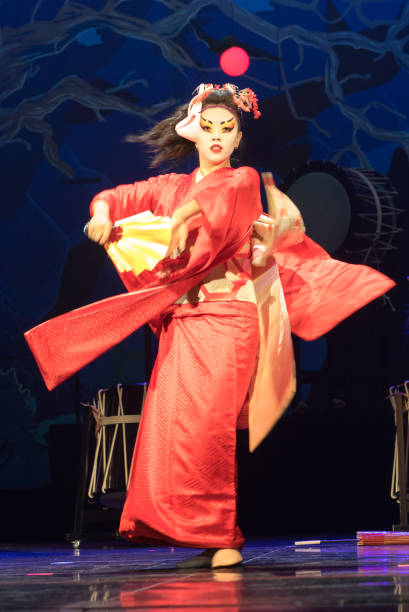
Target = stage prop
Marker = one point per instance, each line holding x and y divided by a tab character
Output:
363	538
399	399
382	538
139	242
351	212
115	430
110	426
234	61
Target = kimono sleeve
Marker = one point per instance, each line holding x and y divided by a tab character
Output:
321	291
67	343
127	200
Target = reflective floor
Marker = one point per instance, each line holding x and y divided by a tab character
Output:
276	575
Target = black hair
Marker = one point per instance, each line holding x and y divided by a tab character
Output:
167	146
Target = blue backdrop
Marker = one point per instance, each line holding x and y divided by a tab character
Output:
77	77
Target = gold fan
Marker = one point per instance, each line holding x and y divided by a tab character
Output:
139	242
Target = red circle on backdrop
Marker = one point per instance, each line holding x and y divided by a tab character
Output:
234	61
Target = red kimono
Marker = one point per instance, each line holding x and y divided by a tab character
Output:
183	479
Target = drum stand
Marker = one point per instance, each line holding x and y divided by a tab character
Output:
110	472
399	398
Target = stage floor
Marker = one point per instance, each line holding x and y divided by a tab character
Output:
275	575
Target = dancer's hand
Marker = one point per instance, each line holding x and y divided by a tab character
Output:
100	225
262	240
184	219
99	229
179	235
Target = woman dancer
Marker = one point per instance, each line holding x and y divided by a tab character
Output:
183	483
225	355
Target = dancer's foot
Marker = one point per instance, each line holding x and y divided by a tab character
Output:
226	557
202	560
214	558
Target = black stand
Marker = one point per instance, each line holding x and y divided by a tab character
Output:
81	514
402	453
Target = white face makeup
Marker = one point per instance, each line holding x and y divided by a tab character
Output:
218	135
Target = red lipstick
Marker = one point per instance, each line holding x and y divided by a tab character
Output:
216	148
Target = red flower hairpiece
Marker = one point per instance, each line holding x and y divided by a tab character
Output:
245	99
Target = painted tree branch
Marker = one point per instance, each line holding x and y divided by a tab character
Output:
24	48
30	114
